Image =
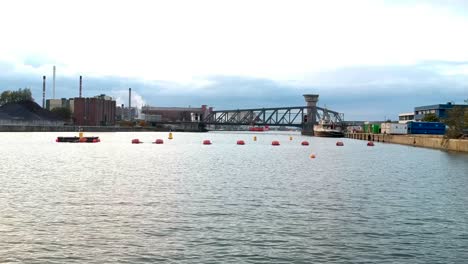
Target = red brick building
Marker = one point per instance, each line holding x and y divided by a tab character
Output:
96	111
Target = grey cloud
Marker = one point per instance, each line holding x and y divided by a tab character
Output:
362	93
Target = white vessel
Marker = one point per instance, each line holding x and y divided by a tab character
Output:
326	128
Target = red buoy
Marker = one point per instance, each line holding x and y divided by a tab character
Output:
305	143
370	144
206	142
240	142
340	143
275	143
136	141
159	141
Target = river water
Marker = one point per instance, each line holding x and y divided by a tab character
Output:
183	202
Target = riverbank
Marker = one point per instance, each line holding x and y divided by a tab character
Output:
17	128
426	141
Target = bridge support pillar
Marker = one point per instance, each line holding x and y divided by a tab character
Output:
308	126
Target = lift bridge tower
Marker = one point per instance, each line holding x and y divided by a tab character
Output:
311	118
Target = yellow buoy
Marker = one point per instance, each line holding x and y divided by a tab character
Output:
290	138
312	156
80	134
170	135
255	138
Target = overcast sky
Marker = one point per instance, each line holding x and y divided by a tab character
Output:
368	59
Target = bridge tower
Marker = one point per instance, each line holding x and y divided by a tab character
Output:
308	127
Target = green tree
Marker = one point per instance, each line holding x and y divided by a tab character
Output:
431	117
457	120
62	112
15	96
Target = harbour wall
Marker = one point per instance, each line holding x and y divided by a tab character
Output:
426	141
22	128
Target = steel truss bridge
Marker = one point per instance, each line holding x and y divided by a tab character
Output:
297	116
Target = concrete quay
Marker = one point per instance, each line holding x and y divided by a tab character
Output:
426	141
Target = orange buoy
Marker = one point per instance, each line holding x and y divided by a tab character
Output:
206	142
136	141
305	143
159	141
275	143
83	140
312	156
240	142
340	143
370	144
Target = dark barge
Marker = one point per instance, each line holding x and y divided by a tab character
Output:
78	139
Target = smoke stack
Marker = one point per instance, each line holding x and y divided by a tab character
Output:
122	112
81	85
43	91
130	104
53	84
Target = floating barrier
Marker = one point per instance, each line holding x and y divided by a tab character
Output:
370	144
206	142
240	142
339	143
159	141
275	143
77	140
136	141
305	143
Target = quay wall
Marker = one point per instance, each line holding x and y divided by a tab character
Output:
426	141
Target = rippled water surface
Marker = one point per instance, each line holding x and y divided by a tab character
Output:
183	202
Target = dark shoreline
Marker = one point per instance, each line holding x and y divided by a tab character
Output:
16	128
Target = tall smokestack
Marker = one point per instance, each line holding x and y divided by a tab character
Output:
53	84
130	104
43	91
81	85
122	113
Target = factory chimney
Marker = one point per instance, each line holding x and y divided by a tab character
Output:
43	91
122	112
53	84
130	104
81	85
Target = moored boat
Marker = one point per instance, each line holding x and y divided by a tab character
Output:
325	128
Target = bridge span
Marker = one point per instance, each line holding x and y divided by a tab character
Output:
304	117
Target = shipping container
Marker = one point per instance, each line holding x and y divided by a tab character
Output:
365	128
430	128
394	128
375	129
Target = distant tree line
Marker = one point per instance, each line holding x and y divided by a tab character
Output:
15	96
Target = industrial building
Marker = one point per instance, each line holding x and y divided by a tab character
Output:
440	110
125	113
95	111
405	117
59	103
175	114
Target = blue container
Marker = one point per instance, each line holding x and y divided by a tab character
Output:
431	128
